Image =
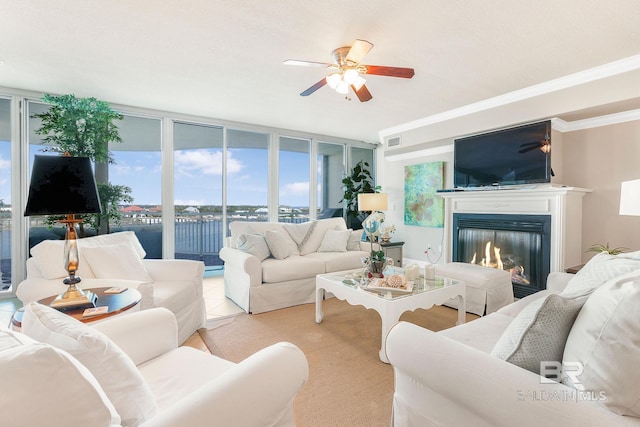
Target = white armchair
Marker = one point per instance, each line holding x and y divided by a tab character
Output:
187	386
118	259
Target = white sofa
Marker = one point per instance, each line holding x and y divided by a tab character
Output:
268	265
586	324
130	371
117	259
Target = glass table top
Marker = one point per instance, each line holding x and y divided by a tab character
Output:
357	279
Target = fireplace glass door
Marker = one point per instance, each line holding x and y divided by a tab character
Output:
518	244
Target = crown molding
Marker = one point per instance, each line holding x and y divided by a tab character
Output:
597	73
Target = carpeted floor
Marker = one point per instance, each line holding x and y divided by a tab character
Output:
348	384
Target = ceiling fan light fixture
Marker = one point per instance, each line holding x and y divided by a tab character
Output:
359	83
342	88
333	80
351	76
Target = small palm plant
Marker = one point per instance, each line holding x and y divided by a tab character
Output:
605	248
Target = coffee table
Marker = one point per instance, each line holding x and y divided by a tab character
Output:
390	305
116	303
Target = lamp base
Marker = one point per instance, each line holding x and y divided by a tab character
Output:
75	299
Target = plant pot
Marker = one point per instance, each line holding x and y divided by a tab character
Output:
375	268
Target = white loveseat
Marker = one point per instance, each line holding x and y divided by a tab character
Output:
129	371
587	325
268	265
117	259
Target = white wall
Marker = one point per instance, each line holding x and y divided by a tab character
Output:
416	238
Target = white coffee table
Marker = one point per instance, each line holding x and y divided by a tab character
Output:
390	306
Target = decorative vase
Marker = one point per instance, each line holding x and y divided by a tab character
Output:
375	268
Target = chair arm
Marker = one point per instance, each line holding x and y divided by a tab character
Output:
259	391
557	280
174	269
492	390
238	261
33	289
142	335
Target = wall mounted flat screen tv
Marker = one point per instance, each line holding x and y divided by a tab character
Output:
514	156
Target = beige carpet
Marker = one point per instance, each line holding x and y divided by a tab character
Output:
348	384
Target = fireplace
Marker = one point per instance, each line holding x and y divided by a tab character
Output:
519	244
560	205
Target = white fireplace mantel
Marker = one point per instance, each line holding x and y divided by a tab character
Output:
563	204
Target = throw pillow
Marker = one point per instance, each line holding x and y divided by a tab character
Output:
605	344
598	270
114	370
539	332
300	232
279	244
116	262
335	241
354	240
317	234
254	244
55	380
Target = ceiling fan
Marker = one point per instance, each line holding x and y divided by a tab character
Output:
544	145
347	70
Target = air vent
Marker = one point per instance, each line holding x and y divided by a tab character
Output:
393	142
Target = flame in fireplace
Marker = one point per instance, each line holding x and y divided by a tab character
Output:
517	271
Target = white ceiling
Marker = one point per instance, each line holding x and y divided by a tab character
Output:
223	59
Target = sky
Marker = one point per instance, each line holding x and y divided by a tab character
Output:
198	176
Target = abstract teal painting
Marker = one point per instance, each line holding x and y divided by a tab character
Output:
422	206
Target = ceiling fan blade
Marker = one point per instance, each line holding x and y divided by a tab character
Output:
526	150
307	63
358	50
363	93
314	88
405	73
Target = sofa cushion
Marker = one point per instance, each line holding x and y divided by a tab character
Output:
49	254
294	267
605	341
355	237
114	370
599	269
254	244
116	262
339	261
54	381
539	332
300	233
280	244
315	238
335	241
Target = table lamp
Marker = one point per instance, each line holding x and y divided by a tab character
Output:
65	185
630	198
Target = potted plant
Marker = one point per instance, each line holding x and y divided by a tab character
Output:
605	248
358	181
84	127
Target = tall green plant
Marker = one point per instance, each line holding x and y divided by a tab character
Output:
83	127
358	181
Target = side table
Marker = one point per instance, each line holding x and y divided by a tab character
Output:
393	250
117	303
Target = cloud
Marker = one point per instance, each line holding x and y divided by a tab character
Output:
191	202
189	162
295	189
4	163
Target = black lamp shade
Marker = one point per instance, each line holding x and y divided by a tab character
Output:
62	185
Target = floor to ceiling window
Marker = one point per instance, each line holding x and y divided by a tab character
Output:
247	175
5	195
197	180
330	168
293	179
138	167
